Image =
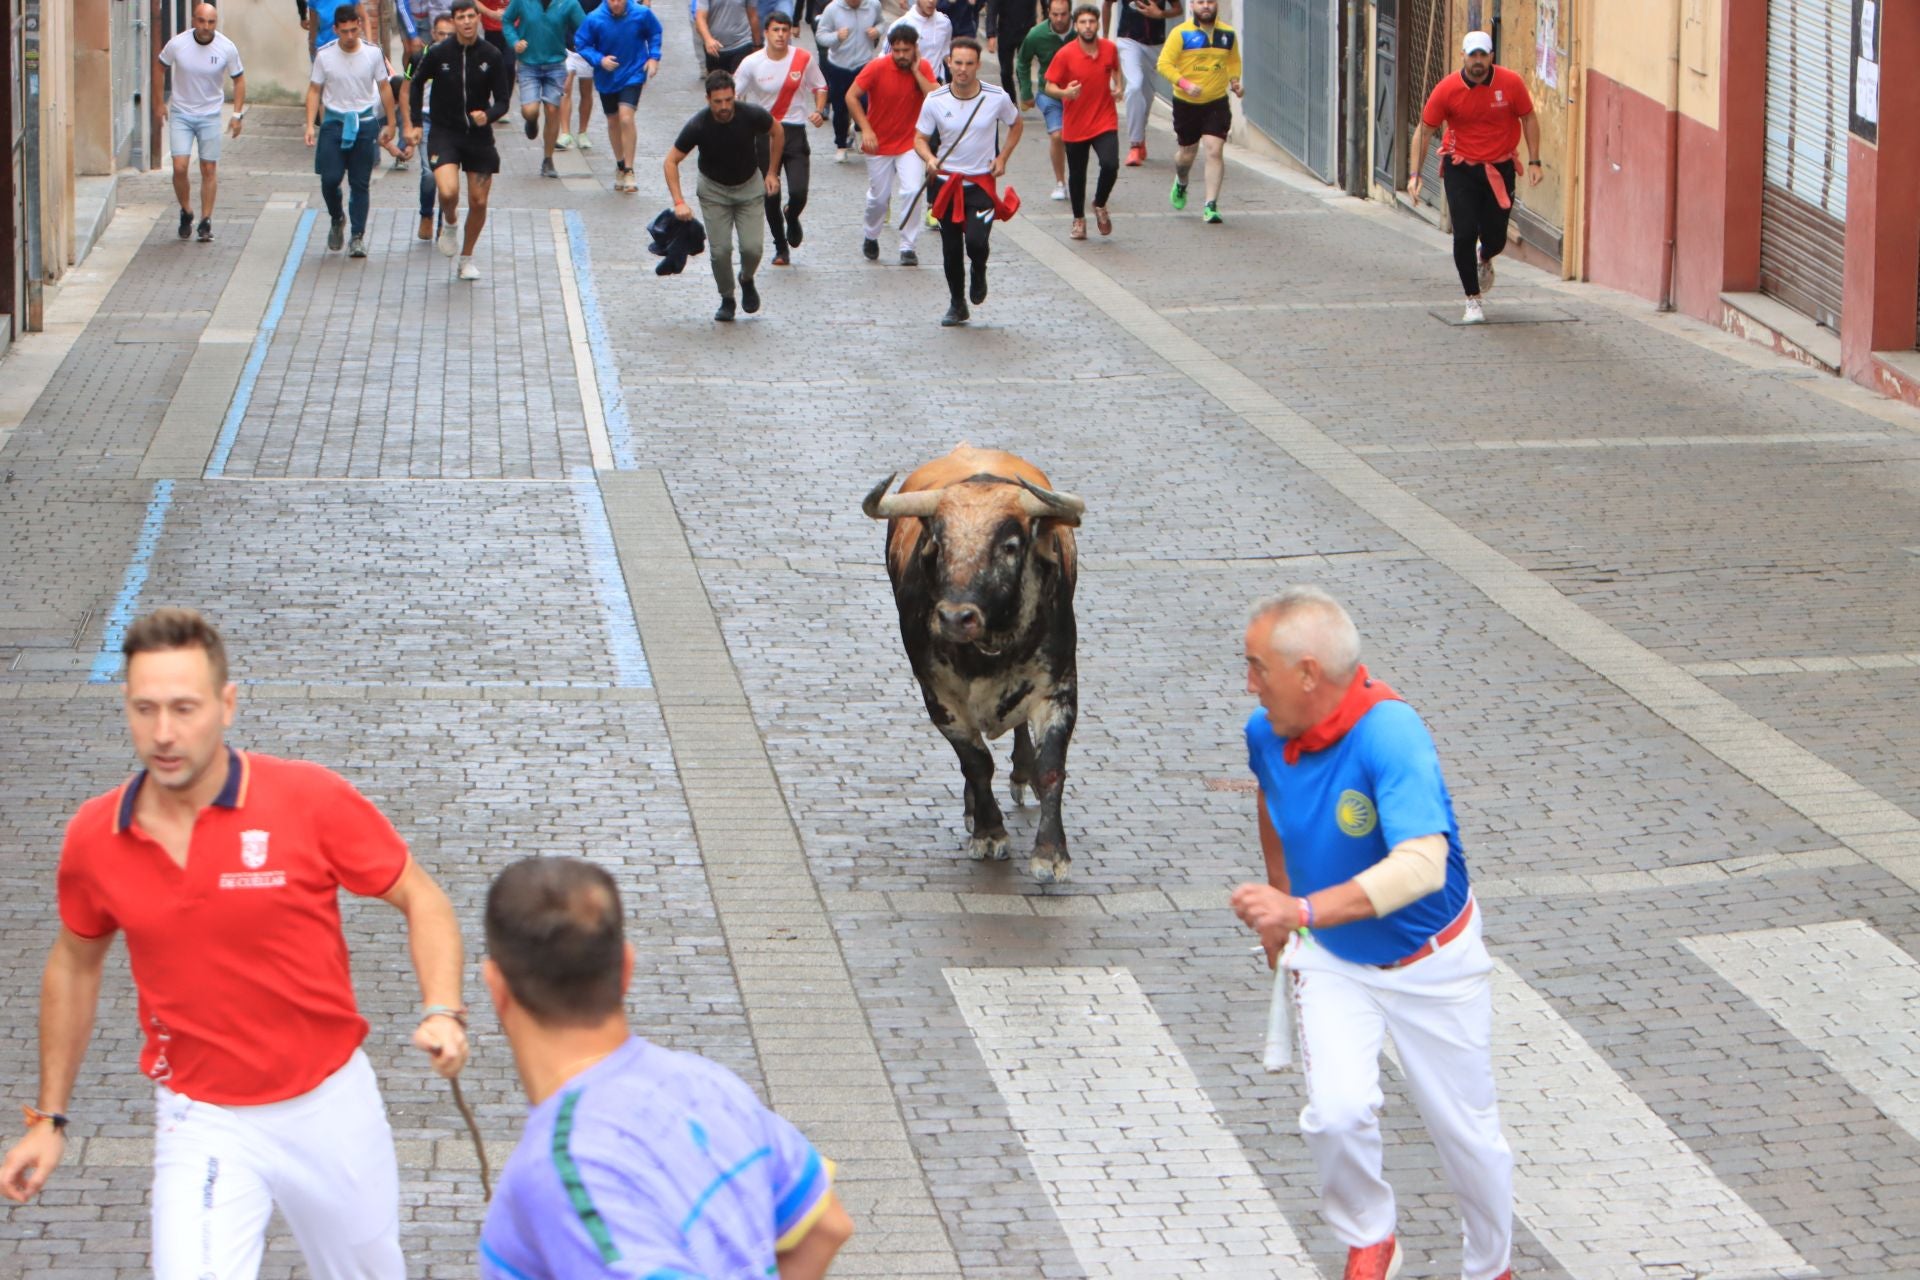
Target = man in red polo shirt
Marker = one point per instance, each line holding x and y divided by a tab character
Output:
223	869
1085	75
1485	109
885	104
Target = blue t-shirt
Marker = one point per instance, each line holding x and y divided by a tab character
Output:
1341	810
322	11
652	1165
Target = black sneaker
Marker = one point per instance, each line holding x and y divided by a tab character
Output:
206	230
337	234
186	223
793	230
533	127
547	170
749	296
956	314
978	293
872	249
781	258
725	313
908	258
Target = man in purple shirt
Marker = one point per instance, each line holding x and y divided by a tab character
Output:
628	1145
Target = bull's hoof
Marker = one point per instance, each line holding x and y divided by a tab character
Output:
1050	866
988	848
1020	791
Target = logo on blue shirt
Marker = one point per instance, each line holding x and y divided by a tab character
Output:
1355	814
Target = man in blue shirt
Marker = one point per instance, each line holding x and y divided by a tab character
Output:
1368	905
636	1160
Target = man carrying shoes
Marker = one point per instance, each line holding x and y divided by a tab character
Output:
732	189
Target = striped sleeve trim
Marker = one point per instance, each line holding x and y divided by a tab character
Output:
577	1194
808	1198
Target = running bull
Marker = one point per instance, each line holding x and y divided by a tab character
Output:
981	553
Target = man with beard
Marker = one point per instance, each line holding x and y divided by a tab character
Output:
732	190
885	102
1202	60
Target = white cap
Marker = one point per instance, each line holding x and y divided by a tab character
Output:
1477	42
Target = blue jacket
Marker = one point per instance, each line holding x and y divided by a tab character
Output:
633	39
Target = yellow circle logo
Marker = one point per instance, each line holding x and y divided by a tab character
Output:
1355	814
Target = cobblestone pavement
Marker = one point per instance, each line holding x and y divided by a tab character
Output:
552	563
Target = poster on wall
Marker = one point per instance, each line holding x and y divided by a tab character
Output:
1864	111
1546	41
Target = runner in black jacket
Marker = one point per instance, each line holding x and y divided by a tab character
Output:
1007	23
471	89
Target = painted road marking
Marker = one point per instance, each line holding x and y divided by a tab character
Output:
623	636
1844	991
1139	1169
1602	1182
106	663
243	393
613	401
583	367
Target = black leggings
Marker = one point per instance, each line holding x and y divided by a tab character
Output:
967	239
796	167
839	80
1107	147
1479	223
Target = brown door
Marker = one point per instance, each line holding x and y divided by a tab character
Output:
13	136
1426	37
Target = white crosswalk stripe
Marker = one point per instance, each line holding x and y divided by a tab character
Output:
1145	1178
1844	990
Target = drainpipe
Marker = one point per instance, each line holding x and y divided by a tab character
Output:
1356	97
1673	165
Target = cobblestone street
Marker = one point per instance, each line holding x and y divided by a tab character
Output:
551	563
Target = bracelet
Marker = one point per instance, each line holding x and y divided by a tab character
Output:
35	1115
445	1011
1533	164
1306	913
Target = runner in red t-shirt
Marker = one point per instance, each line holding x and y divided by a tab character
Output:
1085	75
223	870
885	104
1485	110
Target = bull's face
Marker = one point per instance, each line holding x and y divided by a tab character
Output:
983	544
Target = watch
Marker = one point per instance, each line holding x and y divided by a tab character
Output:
241	114
1532	163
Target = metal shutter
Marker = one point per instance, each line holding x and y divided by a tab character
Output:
1293	80
1803	204
1425	39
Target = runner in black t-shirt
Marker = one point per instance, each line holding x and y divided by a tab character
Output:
732	191
1141	33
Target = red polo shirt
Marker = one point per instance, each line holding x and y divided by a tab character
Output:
1092	113
1483	121
245	992
893	102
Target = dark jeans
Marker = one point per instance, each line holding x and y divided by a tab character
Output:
966	240
728	60
1010	32
1107	148
354	163
1479	223
839	80
796	167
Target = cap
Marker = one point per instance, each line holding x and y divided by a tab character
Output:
1477	42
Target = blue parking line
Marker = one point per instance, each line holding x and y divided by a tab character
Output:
623	633
613	401
243	393
106	663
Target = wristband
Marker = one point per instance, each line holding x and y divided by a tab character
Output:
35	1115
1531	164
445	1011
1306	913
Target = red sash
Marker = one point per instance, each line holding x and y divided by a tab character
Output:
799	58
1361	697
950	202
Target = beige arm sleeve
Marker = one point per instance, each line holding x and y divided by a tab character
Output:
1412	870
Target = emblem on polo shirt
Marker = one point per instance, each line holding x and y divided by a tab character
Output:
1355	814
253	849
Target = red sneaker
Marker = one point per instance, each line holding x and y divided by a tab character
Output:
1374	1262
1137	154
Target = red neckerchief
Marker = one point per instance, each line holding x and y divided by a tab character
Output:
1361	697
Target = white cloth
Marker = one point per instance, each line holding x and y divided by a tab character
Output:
579	66
349	82
760	81
946	115
325	1159
200	73
905	173
936	36
1139	63
1440	1013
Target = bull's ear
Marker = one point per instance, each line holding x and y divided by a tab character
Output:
1046	538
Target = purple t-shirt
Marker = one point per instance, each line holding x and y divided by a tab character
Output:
653	1165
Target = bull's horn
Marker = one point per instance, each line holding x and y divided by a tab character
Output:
881	505
1046	502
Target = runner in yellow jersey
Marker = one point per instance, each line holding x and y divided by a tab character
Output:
1201	60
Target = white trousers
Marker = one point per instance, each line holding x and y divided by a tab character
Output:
1139	63
325	1158
886	175
1439	1012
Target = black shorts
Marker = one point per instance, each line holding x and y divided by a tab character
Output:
610	103
1195	120
471	149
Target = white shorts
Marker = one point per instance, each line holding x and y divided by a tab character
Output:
579	66
325	1159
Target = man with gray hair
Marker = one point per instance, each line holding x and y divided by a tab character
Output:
1368	906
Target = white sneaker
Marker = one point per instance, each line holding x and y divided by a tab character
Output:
1059	191
468	271
563	143
1475	313
586	143
449	239
1486	275
840	155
